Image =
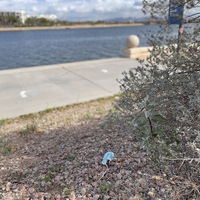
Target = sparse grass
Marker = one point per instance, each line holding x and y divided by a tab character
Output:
57	117
67	192
54	168
2	122
49	177
70	157
77	165
29	129
5	148
104	187
88	116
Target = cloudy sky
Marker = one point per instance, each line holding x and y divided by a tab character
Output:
77	9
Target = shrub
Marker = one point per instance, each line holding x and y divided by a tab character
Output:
161	97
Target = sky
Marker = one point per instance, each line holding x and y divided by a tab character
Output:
77	10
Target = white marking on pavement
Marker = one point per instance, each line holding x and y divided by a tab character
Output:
23	94
104	71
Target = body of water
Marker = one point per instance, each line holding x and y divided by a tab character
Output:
45	47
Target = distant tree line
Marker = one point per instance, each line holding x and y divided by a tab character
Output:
15	21
34	21
9	20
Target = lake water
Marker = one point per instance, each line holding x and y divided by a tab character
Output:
45	47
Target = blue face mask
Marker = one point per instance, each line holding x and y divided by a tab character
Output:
108	157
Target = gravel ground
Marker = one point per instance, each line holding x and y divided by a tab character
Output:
57	155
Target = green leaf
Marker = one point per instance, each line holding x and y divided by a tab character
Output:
151	104
146	98
147	114
139	119
158	118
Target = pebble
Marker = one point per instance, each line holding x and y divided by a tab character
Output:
119	176
72	196
151	194
43	184
96	197
139	172
58	178
3	187
136	197
58	197
118	183
139	189
106	197
8	185
83	191
162	190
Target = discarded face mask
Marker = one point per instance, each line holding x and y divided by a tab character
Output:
109	156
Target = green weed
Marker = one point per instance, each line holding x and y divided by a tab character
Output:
105	187
70	157
29	129
6	149
67	192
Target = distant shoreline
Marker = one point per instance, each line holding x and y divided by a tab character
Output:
3	29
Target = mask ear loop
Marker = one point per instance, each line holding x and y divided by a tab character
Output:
107	168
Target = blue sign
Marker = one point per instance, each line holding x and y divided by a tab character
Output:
175	12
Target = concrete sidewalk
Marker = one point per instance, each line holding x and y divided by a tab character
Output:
29	90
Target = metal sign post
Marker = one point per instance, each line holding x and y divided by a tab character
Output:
176	12
176	15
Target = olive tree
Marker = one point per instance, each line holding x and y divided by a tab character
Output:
161	97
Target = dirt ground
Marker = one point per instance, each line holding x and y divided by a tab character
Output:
57	154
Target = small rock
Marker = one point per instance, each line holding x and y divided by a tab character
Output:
119	176
57	178
79	198
35	169
83	191
47	196
157	178
139	189
172	182
94	184
139	172
72	196
162	190
96	197
136	197
58	197
8	186
167	186
106	197
43	184
3	187
151	194
118	183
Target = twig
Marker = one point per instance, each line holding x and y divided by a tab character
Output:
104	173
183	159
181	164
150	124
